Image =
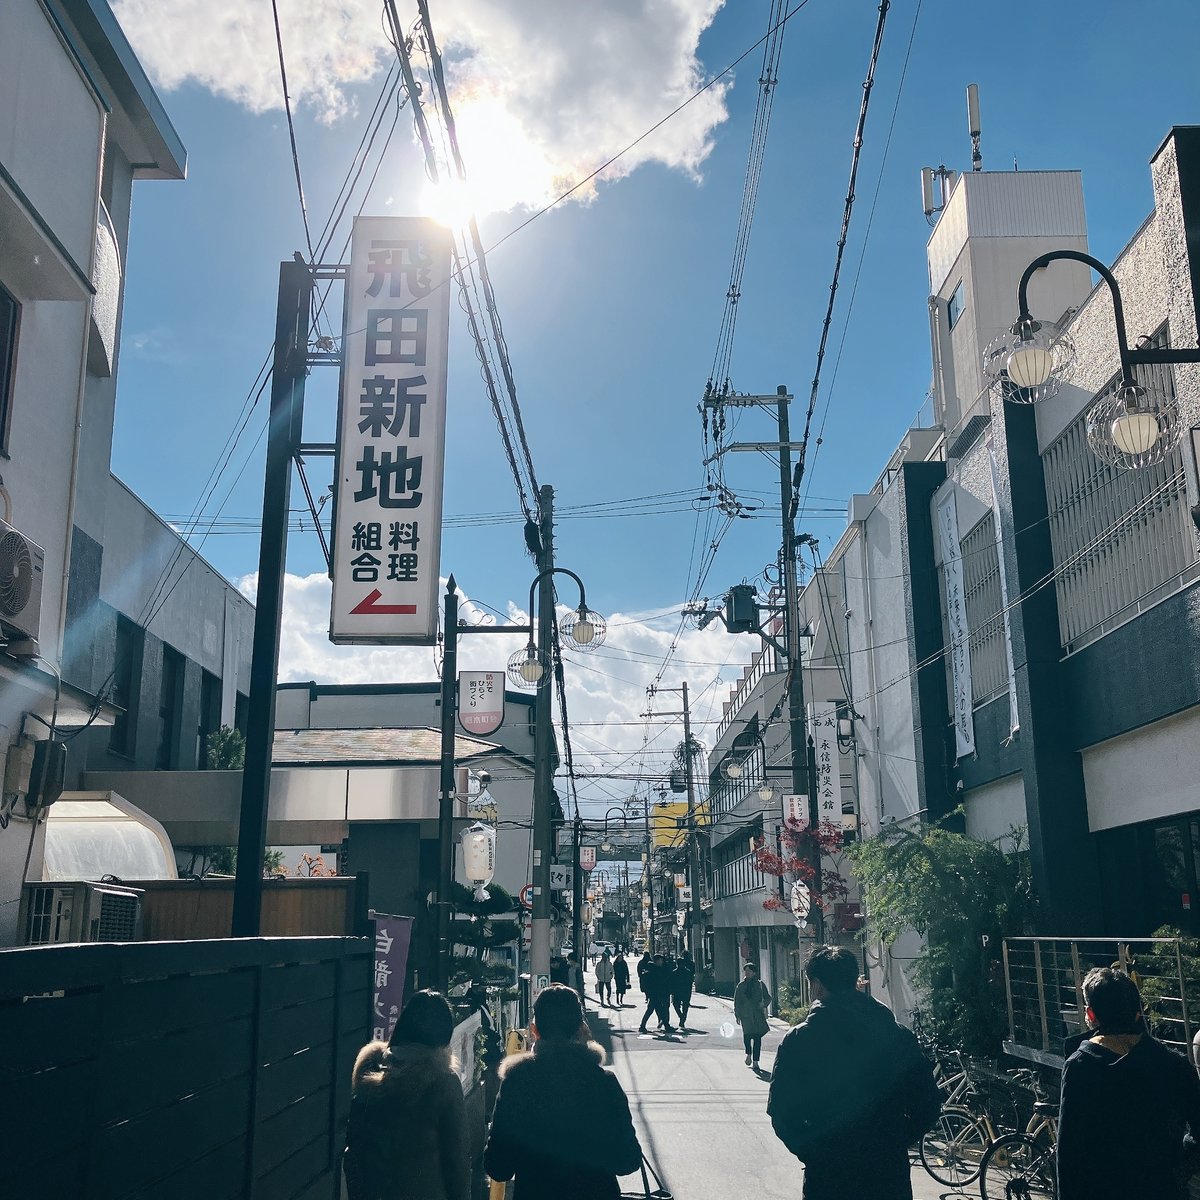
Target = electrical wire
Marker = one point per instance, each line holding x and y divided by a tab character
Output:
287	107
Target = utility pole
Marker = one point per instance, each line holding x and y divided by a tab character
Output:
577	894
798	742
543	770
649	878
695	917
288	374
446	803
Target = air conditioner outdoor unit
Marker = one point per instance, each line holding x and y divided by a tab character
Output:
22	563
79	912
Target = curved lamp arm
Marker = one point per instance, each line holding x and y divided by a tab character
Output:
555	571
1044	260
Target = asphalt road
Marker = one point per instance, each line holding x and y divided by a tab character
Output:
701	1112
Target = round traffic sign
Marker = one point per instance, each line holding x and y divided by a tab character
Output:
526	896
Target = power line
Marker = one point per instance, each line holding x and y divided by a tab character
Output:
287	108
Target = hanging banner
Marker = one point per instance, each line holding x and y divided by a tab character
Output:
956	618
1014	720
481	701
587	858
795	811
822	727
391	440
392	938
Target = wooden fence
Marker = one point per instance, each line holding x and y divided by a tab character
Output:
176	1070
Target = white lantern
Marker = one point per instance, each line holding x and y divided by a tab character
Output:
1135	432
479	857
1030	365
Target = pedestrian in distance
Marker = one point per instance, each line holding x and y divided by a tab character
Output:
407	1135
561	1126
604	978
1126	1103
621	977
559	969
682	982
644	964
851	1089
664	974
648	981
750	1001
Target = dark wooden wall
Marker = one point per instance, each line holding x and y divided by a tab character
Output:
206	1069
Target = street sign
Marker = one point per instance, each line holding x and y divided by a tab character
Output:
540	984
526	896
564	837
481	701
587	858
560	877
685	895
795	811
391	434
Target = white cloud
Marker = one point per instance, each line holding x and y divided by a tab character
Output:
543	92
606	689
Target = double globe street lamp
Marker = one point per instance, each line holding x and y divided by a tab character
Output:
583	629
1135	425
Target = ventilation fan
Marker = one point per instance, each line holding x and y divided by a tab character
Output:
21	566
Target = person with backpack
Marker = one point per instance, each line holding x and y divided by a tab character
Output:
1127	1101
561	1127
407	1135
851	1089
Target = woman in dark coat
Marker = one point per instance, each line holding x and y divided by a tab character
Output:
621	977
682	982
407	1136
750	1002
561	1126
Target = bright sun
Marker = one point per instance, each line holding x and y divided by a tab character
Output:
505	168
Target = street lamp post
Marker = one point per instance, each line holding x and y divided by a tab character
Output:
1137	425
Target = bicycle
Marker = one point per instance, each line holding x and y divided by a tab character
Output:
954	1150
1021	1166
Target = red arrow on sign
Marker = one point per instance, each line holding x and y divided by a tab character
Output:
368	608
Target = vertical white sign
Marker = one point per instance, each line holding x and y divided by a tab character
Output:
822	725
481	701
956	617
587	858
387	524
795	811
1014	719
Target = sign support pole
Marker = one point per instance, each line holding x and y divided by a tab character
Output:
543	777
283	441
577	896
446	805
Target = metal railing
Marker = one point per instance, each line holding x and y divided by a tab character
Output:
763	663
1043	983
738	877
1122	540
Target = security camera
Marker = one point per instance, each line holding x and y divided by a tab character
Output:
484	779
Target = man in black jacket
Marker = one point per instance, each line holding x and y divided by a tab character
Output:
1126	1102
561	1125
851	1089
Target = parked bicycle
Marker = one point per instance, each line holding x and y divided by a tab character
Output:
1021	1166
955	1150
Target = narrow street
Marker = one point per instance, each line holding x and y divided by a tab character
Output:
700	1112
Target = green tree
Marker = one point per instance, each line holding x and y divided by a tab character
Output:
476	927
225	749
964	896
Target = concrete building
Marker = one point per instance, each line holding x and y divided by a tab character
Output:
1073	707
91	602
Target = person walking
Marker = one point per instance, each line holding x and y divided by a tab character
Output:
407	1134
851	1090
644	964
561	1127
621	977
750	1000
682	982
1126	1101
648	980
604	978
575	975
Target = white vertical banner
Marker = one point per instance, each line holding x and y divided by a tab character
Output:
956	618
391	441
1014	719
795	811
822	727
481	701
587	858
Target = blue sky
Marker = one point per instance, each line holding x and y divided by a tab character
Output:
611	307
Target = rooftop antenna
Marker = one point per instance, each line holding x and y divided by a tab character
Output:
936	186
973	125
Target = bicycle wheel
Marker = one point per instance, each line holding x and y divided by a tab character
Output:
952	1151
1017	1168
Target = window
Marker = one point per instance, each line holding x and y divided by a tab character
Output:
954	306
169	694
10	312
210	715
127	669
